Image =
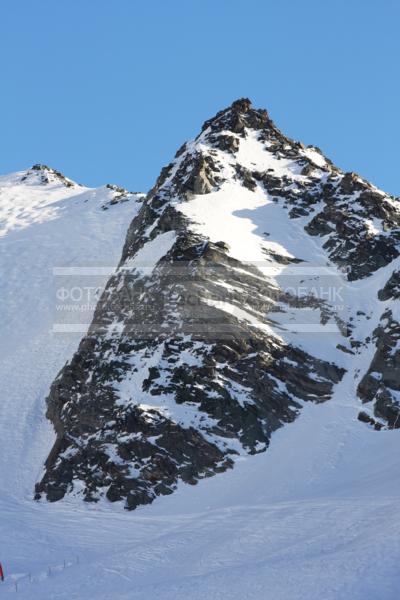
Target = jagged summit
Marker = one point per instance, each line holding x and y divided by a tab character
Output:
242	105
241	142
239	115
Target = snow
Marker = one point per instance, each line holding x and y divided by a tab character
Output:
253	155
210	210
315	156
374	226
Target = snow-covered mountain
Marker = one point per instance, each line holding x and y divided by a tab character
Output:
47	223
252	323
255	278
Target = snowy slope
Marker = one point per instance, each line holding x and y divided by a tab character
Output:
46	223
302	521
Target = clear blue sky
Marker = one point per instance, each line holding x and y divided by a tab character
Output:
107	90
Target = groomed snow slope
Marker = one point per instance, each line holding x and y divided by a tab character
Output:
302	521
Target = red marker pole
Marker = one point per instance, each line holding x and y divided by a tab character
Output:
1	573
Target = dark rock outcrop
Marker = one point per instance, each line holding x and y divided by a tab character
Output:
381	383
391	290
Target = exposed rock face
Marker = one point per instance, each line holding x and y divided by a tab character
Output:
351	206
391	290
381	384
183	366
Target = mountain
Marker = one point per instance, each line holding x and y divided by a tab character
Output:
255	279
229	327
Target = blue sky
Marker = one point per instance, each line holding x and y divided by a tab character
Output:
107	90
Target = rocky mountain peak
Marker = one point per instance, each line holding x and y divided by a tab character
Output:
237	117
243	143
242	105
194	355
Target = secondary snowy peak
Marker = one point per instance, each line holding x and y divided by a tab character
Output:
54	238
42	174
248	285
41	194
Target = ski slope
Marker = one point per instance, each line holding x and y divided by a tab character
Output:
302	521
